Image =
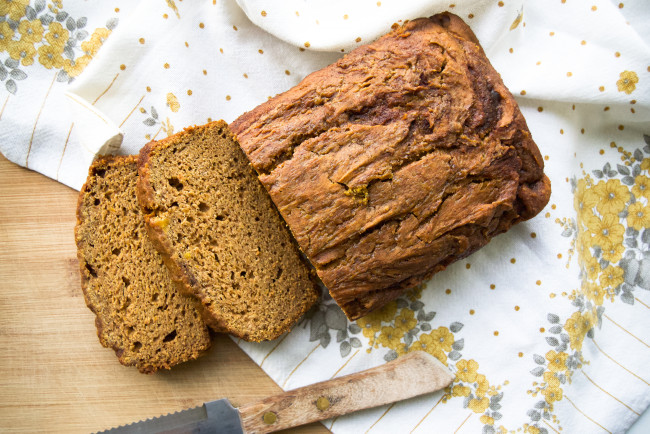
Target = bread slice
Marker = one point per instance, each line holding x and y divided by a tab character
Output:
139	312
406	155
220	235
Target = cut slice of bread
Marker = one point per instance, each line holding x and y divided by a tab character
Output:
220	234
139	312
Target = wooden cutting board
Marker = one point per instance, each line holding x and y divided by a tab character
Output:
55	376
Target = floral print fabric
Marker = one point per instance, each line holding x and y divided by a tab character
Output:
546	329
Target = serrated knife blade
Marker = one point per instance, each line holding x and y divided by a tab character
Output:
409	376
212	417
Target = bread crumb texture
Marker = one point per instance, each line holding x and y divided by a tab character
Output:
139	312
224	240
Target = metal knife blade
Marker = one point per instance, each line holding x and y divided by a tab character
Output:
212	417
411	375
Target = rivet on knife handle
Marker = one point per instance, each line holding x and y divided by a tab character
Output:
411	375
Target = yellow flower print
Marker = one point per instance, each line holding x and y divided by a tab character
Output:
74	67
431	346
14	8
443	338
57	36
459	390
645	164
591	267
405	320
390	337
594	292
387	313
415	293
483	385
613	253
530	429
172	102
92	46
6	35
627	82
638	216
584	198
466	370
23	51
607	232
369	325
582	247
479	405
612	196
556	361
50	57
30	31
577	327
551	379
422	345
641	186
487	420
584	242
611	277
552	394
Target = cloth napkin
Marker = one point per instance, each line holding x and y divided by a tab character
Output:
547	328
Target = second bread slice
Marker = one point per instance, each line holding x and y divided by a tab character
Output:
220	234
139	312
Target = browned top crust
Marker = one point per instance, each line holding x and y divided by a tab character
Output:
405	155
139	312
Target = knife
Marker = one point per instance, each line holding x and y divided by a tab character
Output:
411	375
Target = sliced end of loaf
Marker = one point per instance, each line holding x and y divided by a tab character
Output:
139	312
220	234
407	154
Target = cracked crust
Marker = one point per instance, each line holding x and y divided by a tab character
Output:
404	156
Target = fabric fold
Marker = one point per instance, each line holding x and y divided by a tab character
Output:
98	134
546	328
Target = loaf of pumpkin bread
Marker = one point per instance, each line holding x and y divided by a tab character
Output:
139	312
404	156
220	235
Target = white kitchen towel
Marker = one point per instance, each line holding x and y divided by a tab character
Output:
547	328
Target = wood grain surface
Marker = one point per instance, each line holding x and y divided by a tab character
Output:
408	376
54	374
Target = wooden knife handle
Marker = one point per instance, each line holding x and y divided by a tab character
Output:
411	375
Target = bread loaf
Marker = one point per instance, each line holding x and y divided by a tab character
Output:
404	156
139	312
220	235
